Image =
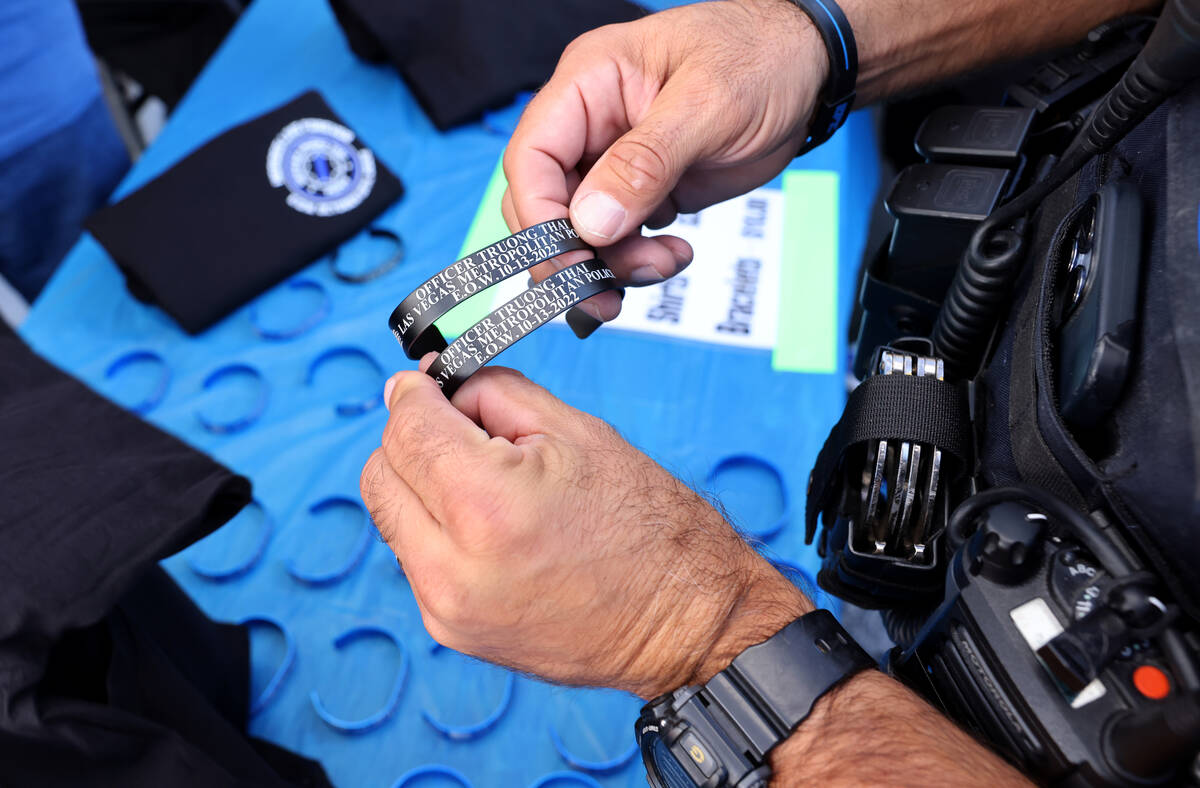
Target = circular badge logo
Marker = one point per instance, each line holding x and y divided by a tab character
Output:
324	172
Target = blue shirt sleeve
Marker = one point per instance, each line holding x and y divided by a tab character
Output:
47	74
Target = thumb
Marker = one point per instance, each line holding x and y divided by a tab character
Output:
638	171
506	404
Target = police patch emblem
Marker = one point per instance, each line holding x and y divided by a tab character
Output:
325	173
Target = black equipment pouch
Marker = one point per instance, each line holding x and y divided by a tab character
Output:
1142	461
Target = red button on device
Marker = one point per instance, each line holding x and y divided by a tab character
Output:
1152	682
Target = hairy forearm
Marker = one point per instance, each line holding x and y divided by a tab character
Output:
907	44
874	731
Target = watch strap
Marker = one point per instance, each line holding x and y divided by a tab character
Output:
770	688
838	95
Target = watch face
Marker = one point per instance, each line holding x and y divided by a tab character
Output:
663	769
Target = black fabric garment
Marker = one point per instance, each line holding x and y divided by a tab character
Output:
1150	458
109	675
1143	461
463	57
163	44
244	211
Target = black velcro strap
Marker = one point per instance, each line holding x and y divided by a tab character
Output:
891	407
1037	461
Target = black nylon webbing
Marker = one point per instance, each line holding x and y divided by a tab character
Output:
1033	457
1035	462
891	407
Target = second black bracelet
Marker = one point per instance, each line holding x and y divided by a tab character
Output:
838	95
412	322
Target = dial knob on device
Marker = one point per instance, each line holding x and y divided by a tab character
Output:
1007	544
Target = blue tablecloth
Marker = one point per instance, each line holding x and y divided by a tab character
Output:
705	402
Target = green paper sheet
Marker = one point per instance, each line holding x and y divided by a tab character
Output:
807	336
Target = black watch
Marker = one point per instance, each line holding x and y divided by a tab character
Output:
718	735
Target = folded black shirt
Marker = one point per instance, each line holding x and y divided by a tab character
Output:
463	57
245	211
109	674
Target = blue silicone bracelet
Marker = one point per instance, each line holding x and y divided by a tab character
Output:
381	268
341	572
595	767
285	667
574	778
159	391
245	565
432	770
348	408
245	420
758	462
371	721
476	729
305	325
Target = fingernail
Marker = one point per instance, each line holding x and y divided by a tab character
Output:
593	309
598	214
644	275
387	392
583	324
682	258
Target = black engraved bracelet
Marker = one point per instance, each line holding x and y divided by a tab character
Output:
412	321
838	94
516	319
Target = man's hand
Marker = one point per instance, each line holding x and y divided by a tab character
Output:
698	104
670	113
534	536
